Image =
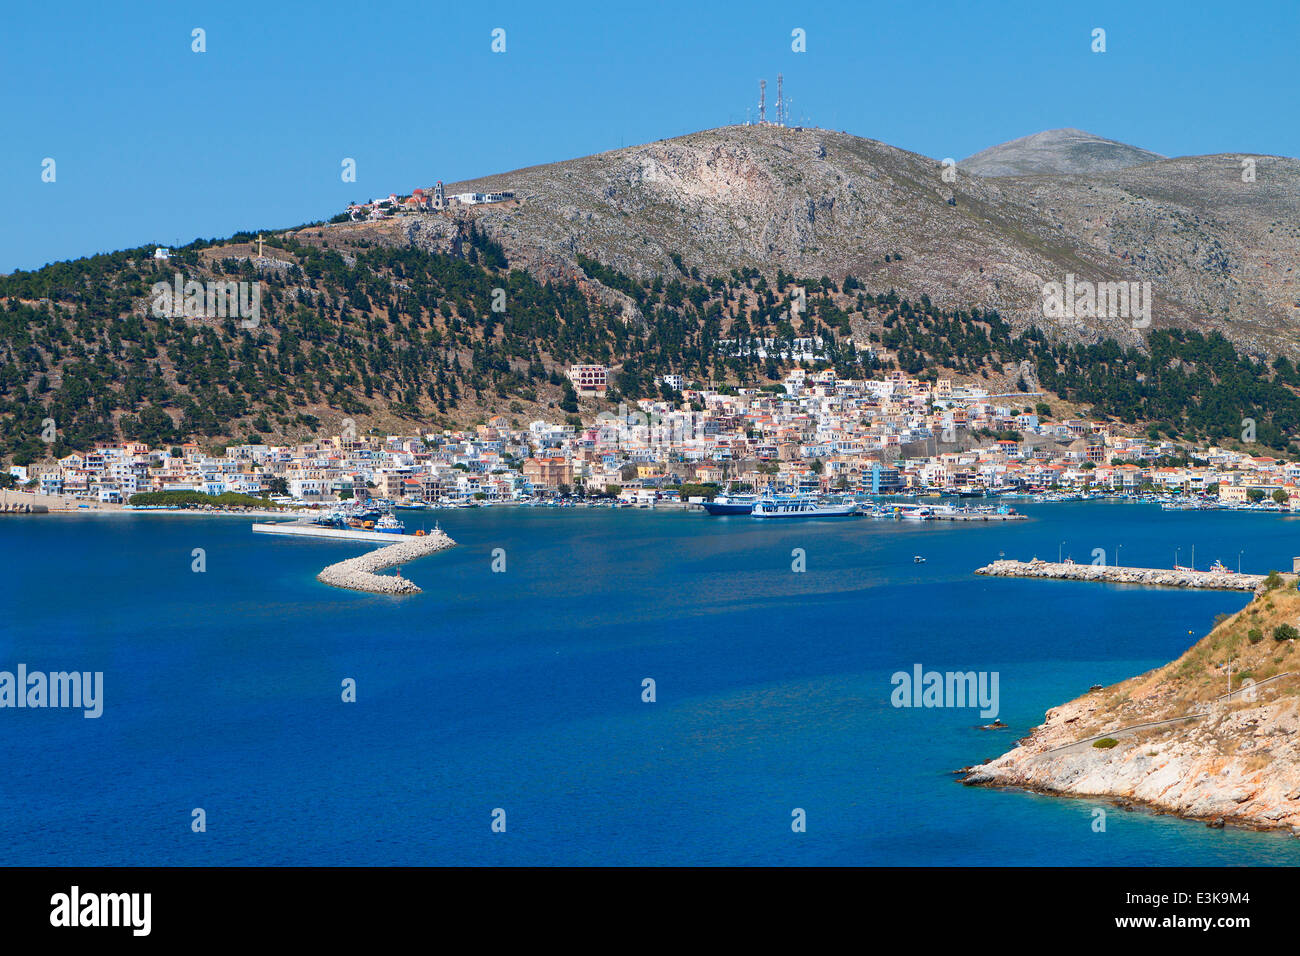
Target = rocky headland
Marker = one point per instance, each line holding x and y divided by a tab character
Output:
1176	739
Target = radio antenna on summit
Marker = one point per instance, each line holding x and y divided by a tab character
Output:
780	115
762	102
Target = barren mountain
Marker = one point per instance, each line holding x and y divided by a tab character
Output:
1220	253
1057	152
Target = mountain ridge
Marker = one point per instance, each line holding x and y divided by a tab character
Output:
1065	151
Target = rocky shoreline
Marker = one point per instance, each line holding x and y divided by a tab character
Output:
358	574
1173	741
1213	580
1180	770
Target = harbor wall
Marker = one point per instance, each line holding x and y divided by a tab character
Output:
1159	577
359	574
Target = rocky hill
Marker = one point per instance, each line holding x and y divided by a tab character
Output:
668	257
1176	739
1220	254
1057	152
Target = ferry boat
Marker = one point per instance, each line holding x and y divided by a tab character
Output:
731	504
802	506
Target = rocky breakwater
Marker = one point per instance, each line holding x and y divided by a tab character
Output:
359	574
1214	580
1174	740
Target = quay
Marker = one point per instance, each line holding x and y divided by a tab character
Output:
308	530
1157	577
977	516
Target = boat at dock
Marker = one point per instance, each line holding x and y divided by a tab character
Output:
389	524
731	504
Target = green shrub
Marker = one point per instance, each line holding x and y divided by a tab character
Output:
1255	635
1285	632
1105	743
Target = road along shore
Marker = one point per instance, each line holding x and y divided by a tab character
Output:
359	574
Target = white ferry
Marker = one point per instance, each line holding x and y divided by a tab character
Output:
802	506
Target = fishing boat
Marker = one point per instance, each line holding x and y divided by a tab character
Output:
1218	567
914	512
802	506
389	524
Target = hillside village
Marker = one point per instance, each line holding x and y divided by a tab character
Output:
814	432
420	200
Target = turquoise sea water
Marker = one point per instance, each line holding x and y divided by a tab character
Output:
522	690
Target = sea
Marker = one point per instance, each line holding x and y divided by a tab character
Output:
586	687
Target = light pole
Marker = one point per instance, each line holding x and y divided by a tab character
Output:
1176	550
1117	547
1239	553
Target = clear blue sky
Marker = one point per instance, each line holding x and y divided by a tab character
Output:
156	143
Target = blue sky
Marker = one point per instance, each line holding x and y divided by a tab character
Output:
156	143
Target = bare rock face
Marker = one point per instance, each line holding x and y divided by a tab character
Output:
1185	770
1176	739
1220	253
1057	152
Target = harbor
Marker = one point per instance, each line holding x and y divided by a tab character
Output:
797	505
1218	580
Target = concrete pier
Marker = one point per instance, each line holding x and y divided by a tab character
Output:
1158	577
306	529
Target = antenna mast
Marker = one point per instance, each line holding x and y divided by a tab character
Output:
762	102
780	105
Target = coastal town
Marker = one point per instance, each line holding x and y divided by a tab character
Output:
814	434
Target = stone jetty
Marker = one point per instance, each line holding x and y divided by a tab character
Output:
359	574
1159	577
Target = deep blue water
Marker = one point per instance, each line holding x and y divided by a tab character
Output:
522	690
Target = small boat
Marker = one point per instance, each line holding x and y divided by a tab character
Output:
1218	567
917	559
